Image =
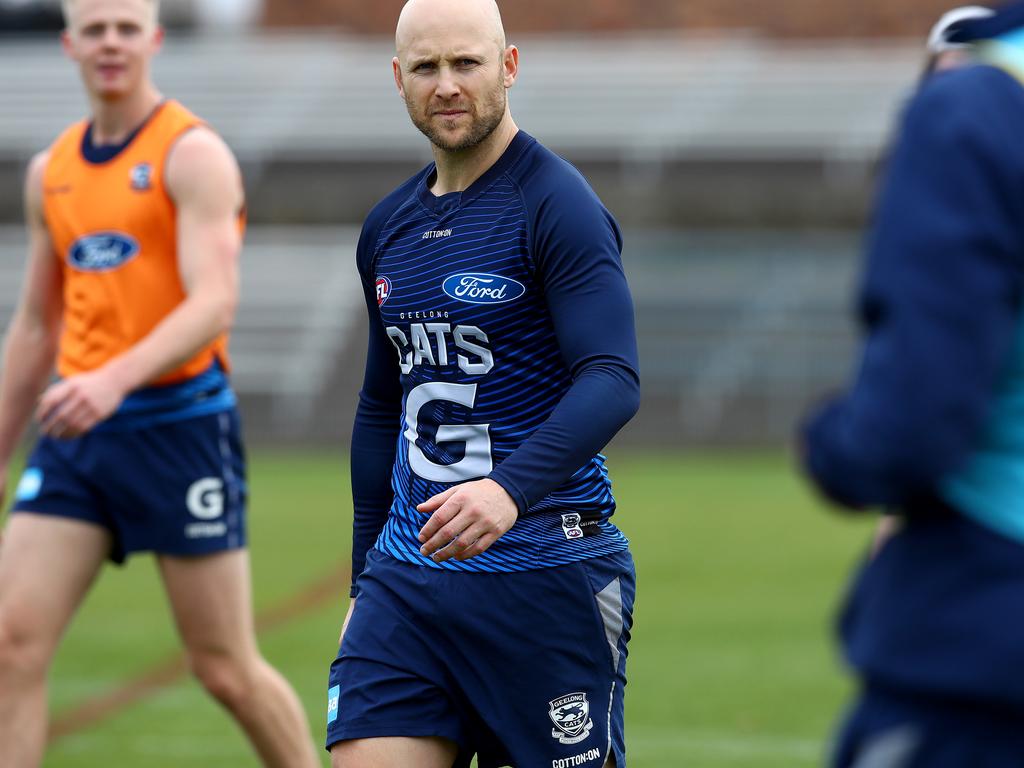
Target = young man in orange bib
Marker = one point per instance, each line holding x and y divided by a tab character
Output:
135	221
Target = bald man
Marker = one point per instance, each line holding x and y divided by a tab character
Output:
492	596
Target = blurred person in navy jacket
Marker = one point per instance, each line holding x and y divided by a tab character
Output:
932	427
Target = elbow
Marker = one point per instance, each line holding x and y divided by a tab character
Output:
619	391
631	402
225	312
219	311
622	406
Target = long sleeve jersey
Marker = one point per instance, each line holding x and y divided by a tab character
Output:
501	345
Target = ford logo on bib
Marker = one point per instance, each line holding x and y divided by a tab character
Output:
102	251
480	288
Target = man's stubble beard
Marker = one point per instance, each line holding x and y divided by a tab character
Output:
482	127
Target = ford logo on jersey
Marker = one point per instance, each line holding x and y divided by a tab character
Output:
102	251
480	288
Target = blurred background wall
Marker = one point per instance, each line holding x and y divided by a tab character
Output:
736	142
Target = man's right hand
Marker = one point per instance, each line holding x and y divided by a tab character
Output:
73	406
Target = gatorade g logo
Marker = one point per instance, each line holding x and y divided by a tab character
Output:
205	498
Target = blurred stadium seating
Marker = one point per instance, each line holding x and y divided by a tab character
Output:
639	98
740	168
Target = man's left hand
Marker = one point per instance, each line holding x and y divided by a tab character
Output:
467	519
75	405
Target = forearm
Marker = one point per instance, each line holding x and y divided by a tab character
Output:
28	355
373	455
193	324
600	401
369	510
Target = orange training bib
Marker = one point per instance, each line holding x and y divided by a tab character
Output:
114	228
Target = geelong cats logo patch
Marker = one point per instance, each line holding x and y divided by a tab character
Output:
571	716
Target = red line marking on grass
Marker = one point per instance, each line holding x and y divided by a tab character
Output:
150	681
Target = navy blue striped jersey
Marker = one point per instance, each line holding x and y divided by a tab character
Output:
501	345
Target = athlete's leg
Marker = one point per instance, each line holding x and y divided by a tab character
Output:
46	566
394	752
212	603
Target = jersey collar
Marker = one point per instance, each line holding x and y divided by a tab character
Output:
442	205
103	153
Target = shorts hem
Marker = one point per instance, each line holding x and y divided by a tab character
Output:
117	555
28	508
185	552
408	730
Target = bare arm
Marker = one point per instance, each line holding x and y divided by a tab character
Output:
30	344
205	184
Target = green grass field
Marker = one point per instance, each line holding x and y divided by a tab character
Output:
732	661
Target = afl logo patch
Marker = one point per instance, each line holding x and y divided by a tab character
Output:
383	290
102	251
481	288
141	177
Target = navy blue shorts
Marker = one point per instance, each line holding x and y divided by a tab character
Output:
524	669
887	730
176	488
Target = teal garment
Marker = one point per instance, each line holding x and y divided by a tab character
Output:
990	488
1006	52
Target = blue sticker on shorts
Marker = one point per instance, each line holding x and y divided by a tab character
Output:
332	703
29	485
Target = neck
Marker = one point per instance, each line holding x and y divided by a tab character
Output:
114	120
456	171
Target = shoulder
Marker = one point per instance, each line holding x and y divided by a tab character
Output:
971	84
551	185
383	212
386	208
70	138
561	205
34	175
200	159
961	126
540	172
199	148
37	167
966	101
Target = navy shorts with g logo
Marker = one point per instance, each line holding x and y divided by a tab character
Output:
524	668
174	488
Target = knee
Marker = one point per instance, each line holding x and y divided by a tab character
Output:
228	679
23	651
